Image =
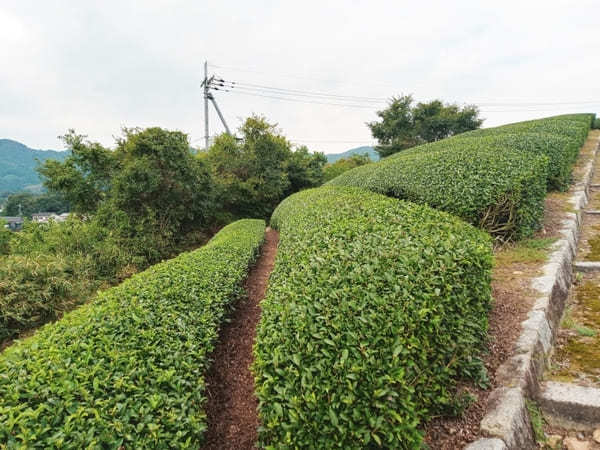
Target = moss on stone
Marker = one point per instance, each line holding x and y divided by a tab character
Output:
582	350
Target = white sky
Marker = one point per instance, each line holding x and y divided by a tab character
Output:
99	65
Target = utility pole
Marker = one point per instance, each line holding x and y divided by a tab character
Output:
207	84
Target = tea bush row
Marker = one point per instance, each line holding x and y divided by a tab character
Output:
500	191
493	178
559	137
375	308
127	370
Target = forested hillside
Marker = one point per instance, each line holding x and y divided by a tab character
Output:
333	157
18	163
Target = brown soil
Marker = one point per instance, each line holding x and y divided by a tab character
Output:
232	407
513	299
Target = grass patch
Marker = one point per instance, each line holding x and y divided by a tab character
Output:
537	421
594	243
526	251
585	331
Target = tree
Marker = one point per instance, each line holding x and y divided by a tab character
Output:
304	169
332	170
253	174
149	192
84	176
26	203
403	125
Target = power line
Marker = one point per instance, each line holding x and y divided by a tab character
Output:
379	99
299	77
238	85
309	97
289	99
285	94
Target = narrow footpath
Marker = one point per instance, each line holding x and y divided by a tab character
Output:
232	406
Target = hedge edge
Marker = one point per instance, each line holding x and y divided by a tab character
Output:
507	418
127	370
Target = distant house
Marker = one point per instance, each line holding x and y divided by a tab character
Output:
13	223
43	217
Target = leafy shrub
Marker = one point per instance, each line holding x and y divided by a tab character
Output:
575	126
128	369
490	177
34	290
500	191
375	308
332	170
5	237
561	150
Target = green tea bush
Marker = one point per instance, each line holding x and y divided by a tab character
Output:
561	150
374	309
492	177
500	191
127	370
575	126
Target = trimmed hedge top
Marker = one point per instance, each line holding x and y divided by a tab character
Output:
375	308
128	369
494	178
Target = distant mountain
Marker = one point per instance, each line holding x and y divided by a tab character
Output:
354	151
18	163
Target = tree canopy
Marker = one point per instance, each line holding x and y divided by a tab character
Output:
148	192
27	203
332	170
253	173
404	125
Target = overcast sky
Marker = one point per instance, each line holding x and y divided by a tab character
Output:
97	66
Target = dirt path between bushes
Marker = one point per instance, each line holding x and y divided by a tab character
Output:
232	407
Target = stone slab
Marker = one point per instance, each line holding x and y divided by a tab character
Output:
586	266
570	406
487	444
508	419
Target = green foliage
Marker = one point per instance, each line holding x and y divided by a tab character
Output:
537	421
51	268
403	125
127	370
304	170
375	308
5	237
148	193
501	192
337	168
84	176
596	124
26	204
559	138
18	163
254	174
34	290
494	178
